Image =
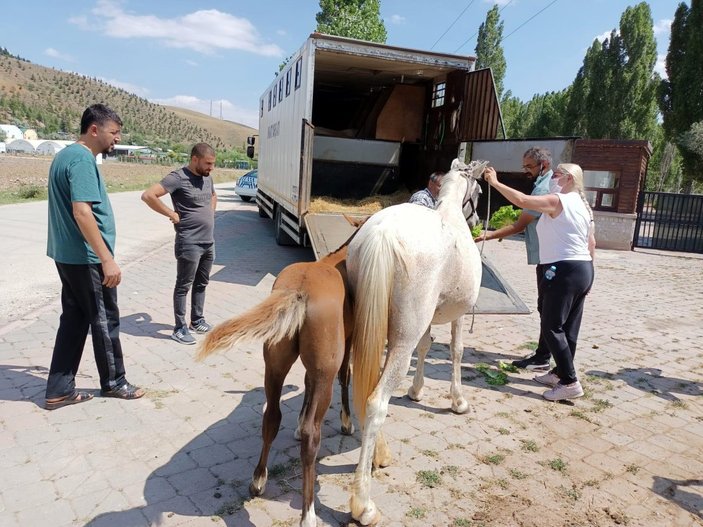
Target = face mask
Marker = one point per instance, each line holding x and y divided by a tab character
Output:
554	186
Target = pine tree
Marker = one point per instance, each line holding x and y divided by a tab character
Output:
360	19
681	95
489	51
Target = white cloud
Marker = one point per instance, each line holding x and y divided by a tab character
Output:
56	54
397	19
128	87
660	65
662	27
204	31
191	63
605	35
230	111
281	32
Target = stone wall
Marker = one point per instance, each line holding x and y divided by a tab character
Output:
614	230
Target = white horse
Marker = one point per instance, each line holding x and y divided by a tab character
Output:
409	267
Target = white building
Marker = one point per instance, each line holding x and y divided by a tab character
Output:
11	132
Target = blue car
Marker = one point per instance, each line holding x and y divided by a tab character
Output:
246	185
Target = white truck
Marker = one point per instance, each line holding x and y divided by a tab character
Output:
348	119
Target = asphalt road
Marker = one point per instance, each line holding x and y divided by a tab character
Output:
28	278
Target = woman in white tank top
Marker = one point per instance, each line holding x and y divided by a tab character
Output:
566	251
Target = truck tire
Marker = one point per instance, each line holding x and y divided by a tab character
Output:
282	237
246	199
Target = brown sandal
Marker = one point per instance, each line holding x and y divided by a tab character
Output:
75	398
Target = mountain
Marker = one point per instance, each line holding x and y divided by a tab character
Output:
52	101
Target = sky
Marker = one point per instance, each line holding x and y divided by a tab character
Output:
218	56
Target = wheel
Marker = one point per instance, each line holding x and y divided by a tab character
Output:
282	237
246	198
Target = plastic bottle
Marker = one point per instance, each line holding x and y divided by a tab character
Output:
550	273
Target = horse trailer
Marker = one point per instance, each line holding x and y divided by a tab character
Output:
347	119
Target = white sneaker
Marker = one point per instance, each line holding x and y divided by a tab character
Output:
550	379
564	391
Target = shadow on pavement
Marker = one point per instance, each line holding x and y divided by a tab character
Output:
142	325
673	490
210	475
24	383
652	381
246	249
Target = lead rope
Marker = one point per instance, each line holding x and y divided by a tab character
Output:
485	229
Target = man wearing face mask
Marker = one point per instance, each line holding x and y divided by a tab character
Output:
537	165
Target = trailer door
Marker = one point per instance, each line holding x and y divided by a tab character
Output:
474	105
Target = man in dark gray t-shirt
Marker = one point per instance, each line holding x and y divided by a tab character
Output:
193	216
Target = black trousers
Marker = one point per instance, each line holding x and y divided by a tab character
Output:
542	350
85	304
563	299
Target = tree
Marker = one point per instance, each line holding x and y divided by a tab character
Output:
614	93
359	19
681	95
489	51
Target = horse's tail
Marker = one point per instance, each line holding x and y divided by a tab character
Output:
279	316
377	259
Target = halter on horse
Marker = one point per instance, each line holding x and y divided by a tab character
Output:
409	267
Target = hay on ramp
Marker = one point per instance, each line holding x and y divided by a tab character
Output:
368	205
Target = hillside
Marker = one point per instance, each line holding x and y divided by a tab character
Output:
52	101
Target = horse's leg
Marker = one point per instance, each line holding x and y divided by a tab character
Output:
459	404
363	509
306	401
415	391
343	376
320	389
279	359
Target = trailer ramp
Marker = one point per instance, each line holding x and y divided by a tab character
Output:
328	231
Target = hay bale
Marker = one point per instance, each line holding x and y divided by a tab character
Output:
368	205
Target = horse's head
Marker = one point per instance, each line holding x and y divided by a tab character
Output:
471	174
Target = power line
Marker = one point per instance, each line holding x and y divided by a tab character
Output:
533	16
472	36
452	24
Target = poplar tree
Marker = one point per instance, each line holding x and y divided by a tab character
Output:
489	49
681	95
360	19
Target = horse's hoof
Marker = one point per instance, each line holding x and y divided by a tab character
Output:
415	395
255	490
368	515
297	435
348	430
461	406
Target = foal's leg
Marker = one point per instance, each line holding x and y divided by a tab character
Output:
320	389
459	404
279	359
306	401
363	509
343	376
415	391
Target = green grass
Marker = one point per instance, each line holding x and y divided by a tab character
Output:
528	445
429	478
416	512
495	459
557	464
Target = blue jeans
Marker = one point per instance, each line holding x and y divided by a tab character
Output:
194	262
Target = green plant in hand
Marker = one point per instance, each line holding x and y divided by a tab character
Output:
506	215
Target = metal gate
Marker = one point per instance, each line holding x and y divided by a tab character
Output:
672	222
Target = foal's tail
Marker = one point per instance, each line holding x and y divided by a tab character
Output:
377	259
279	316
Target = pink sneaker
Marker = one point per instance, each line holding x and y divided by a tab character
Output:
564	391
549	379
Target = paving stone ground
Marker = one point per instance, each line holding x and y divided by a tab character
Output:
629	453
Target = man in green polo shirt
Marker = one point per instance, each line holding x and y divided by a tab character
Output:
81	241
